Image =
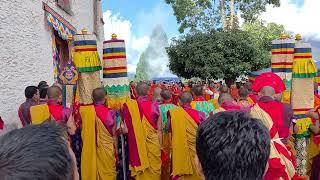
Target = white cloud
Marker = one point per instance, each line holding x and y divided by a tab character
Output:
114	23
298	19
137	35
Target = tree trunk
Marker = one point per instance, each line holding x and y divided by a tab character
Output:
232	14
223	14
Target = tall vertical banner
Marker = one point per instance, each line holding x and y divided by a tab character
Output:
302	99
88	64
115	76
282	61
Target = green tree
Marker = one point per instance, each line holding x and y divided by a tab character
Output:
143	68
225	54
206	15
262	34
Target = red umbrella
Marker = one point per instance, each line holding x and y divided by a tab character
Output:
268	79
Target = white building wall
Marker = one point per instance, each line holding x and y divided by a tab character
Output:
26	49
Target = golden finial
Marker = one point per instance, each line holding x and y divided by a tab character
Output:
113	36
288	36
70	37
283	36
84	31
298	37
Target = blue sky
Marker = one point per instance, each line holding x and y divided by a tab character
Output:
133	20
137	12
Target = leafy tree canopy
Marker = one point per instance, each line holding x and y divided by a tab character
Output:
206	15
143	68
225	54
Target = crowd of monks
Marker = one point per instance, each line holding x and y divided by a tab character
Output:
160	124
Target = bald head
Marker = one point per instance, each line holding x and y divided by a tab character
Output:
185	98
225	97
166	94
197	90
224	89
98	95
54	92
267	91
142	89
248	85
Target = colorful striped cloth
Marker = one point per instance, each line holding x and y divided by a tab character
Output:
115	76
303	64
85	54
282	60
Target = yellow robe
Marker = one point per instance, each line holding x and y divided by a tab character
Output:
215	103
98	153
184	131
39	113
89	149
106	161
148	146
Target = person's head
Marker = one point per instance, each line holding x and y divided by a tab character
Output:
43	91
42	84
267	91
225	97
38	152
197	90
166	95
232	145
248	85
98	95
224	89
54	93
243	92
238	84
142	89
32	92
157	94
185	98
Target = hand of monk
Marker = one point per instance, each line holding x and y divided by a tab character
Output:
313	114
123	129
71	126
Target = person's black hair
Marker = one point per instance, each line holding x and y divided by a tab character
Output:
238	84
43	91
30	91
233	146
197	90
98	94
36	152
42	84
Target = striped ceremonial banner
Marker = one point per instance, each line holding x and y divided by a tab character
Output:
282	59
87	61
85	55
303	66
115	72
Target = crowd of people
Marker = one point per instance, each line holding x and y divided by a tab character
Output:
165	131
